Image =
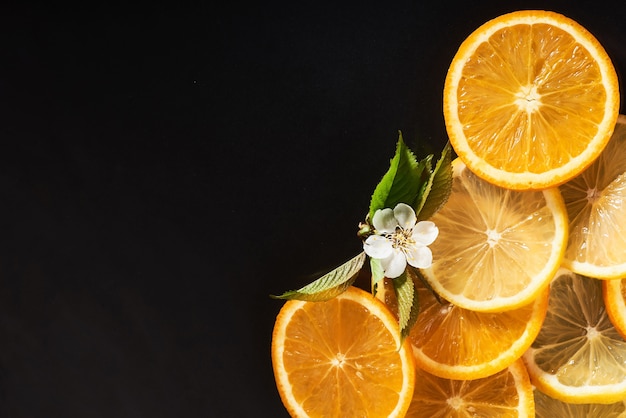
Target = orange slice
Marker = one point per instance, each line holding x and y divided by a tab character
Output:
497	248
596	207
578	356
456	343
342	357
507	394
547	407
530	99
614	293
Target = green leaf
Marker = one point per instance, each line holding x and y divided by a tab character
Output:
330	285
377	273
438	187
425	176
408	304
417	274
402	181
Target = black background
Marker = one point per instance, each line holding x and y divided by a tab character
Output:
165	168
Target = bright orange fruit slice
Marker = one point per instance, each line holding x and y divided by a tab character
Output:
614	293
530	99
455	343
342	357
507	394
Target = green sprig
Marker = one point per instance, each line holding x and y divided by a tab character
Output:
416	183
330	285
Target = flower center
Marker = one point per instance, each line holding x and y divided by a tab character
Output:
401	238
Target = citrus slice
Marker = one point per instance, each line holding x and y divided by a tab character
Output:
455	343
547	407
342	357
530	99
596	207
497	248
614	293
507	394
578	356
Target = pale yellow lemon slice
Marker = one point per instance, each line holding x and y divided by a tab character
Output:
497	248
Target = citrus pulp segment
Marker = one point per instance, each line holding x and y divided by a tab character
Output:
507	394
342	357
455	343
596	206
530	99
578	356
614	293
547	407
497	248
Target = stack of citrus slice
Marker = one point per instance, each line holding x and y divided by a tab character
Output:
538	202
523	120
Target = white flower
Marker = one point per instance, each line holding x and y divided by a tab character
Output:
399	239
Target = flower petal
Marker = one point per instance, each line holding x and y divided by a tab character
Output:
384	221
394	265
425	232
420	257
405	215
377	246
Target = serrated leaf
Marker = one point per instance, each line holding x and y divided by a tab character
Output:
330	285
418	275
425	176
377	273
408	305
402	181
415	308
438	187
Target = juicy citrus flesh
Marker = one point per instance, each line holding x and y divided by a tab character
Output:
507	394
547	407
578	356
530	99
596	207
455	343
497	248
614	293
342	357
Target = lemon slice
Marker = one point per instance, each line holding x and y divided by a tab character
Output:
596	207
547	407
497	248
578	356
